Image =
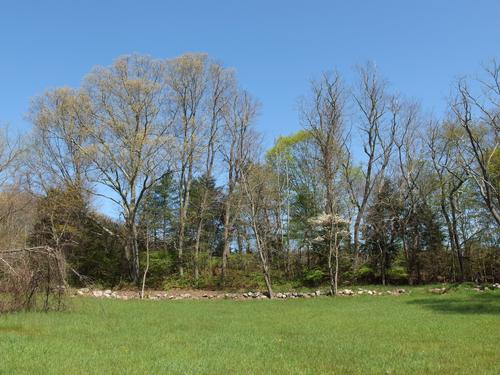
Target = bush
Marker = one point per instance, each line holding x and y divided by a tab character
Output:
397	275
313	277
365	273
160	265
32	279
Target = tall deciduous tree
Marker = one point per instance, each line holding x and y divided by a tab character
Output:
377	130
239	114
323	118
479	115
131	136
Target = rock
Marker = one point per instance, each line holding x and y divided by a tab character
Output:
318	293
401	291
438	290
360	292
84	290
80	293
496	286
370	292
97	293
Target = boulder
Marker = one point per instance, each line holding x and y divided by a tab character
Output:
438	290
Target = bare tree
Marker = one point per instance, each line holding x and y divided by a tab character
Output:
443	145
372	102
220	82
261	201
188	81
239	113
479	115
322	117
16	203
60	134
130	132
410	166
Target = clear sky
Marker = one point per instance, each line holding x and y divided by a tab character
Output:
275	46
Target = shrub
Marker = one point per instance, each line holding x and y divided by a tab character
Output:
32	279
365	273
160	265
397	275
313	277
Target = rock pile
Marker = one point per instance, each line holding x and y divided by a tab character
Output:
483	288
438	290
298	295
350	292
198	295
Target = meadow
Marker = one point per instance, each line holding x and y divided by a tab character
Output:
417	333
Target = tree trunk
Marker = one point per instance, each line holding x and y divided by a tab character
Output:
147	265
198	234
197	251
225	250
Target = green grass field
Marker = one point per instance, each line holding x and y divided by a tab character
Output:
420	333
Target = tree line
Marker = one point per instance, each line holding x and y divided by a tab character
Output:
371	189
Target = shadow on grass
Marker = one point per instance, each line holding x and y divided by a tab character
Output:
485	303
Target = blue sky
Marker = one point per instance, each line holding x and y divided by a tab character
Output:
275	46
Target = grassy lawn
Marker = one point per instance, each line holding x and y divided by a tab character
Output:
420	333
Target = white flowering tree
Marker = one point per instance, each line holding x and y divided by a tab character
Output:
331	230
